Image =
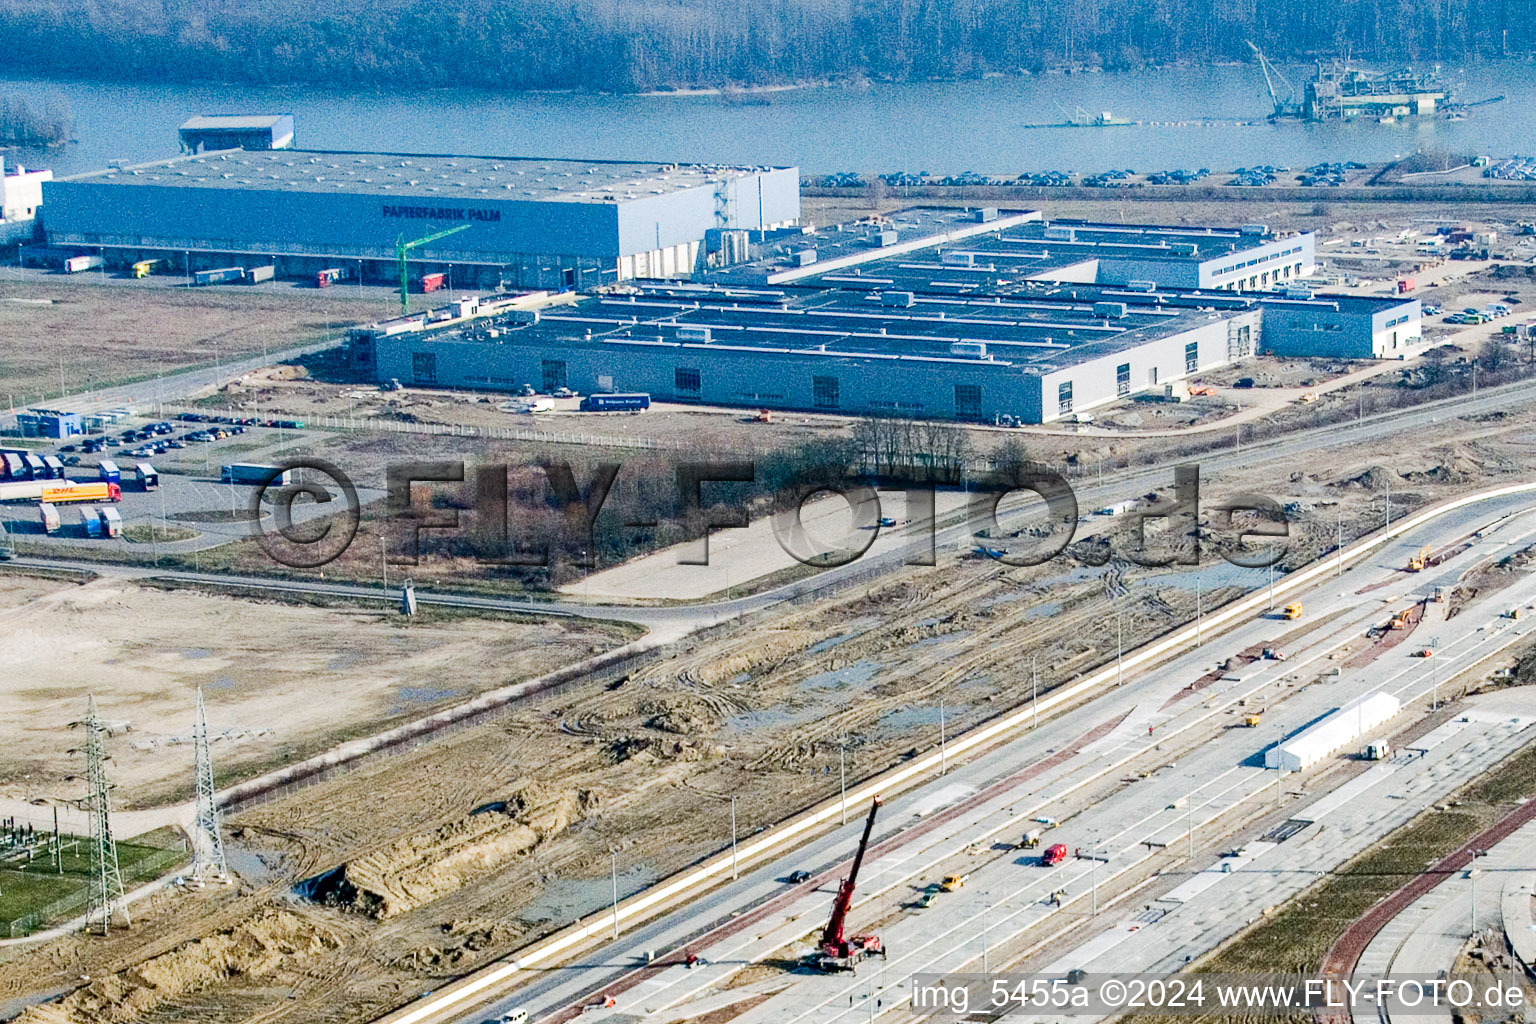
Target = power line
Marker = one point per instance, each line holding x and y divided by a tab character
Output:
207	840
105	897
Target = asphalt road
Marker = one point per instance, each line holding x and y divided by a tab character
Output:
1426	937
1220	780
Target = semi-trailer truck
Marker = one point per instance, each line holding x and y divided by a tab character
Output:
254	473
432	282
144	268
91	522
111	522
62	492
631	402
257	275
76	264
223	275
109	472
59	492
48	515
147	476
55	467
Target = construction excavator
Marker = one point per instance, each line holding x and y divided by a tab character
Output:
1419	560
836	951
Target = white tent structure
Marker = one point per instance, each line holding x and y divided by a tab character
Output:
1345	727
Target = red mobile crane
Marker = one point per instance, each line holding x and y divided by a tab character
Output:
835	951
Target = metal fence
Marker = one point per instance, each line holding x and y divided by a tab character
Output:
374	424
67	906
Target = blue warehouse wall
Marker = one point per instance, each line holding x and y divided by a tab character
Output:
258	220
1316	329
727	376
1167	273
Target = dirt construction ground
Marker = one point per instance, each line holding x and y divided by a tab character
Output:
422	865
279	680
98	334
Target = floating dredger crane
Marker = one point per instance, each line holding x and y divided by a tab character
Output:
1288	107
837	952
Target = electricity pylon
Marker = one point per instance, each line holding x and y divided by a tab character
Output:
207	840
105	897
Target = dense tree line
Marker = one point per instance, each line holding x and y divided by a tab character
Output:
22	124
628	45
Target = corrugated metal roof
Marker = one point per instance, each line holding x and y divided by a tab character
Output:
232	122
425	176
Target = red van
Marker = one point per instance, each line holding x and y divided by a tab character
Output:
1053	855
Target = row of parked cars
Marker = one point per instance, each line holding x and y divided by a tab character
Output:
240	421
91	445
1516	168
1479	316
1178	177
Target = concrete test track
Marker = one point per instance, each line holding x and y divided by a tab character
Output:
672	892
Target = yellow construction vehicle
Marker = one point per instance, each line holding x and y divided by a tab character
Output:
1399	620
1251	721
1292	610
952	882
1419	560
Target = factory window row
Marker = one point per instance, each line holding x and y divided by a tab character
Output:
1123	379
1268	277
968	401
1191	356
424	367
1064	398
824	392
1400	320
554	374
1260	259
688	380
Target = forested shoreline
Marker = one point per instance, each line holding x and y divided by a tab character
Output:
640	45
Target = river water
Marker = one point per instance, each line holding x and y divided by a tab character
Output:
941	127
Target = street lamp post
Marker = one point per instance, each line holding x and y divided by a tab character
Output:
943	749
1119	650
1034	691
734	872
1472	873
842	776
1339	567
986	897
1199	612
613	852
1189	823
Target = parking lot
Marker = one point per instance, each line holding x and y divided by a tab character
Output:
192	508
